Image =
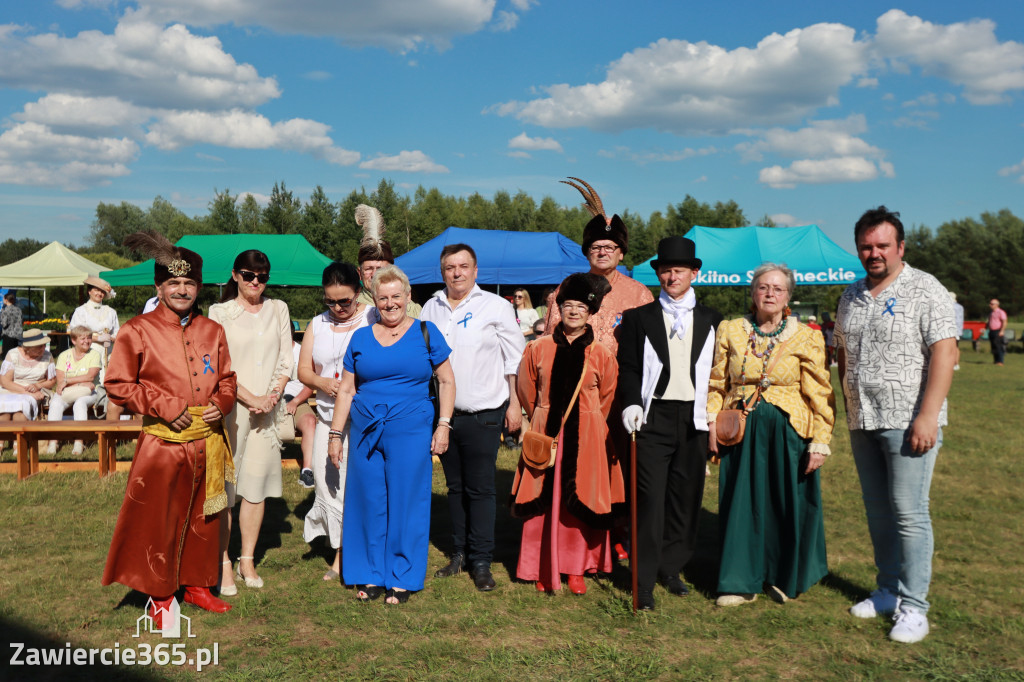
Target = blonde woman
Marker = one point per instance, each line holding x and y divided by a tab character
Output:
77	370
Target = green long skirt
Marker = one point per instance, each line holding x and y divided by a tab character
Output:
770	517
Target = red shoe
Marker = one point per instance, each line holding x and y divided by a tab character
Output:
157	610
620	552
204	599
576	585
541	587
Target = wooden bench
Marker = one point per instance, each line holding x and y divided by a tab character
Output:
28	434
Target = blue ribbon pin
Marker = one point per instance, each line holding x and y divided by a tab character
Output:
888	307
618	320
206	361
465	321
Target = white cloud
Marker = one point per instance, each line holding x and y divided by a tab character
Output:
399	25
317	75
785	220
247	130
965	53
824	171
505	21
406	162
523	5
867	83
33	154
658	156
519	155
524	141
76	113
1017	170
155	66
697	88
928	99
820	139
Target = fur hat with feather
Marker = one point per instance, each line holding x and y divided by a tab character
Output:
373	246
169	260
600	226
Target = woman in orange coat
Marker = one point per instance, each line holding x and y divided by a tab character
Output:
570	507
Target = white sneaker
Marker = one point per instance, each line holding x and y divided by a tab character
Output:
736	599
51	448
775	594
911	626
79	448
880	603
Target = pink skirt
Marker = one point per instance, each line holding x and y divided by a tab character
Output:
557	542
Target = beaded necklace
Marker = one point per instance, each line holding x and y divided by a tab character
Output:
765	355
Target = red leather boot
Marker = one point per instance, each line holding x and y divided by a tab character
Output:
577	585
204	599
157	610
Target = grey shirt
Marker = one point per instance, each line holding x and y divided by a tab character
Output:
10	321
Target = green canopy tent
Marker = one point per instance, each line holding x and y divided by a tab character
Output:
54	265
293	261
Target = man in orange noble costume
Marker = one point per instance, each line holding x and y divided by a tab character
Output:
605	242
172	367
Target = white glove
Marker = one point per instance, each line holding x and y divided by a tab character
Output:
103	337
632	418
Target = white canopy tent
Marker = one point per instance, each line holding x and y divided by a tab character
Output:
54	265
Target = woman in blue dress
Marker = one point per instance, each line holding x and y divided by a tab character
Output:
385	387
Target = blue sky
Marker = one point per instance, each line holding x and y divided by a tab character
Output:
809	112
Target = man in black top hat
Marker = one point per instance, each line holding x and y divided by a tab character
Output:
665	353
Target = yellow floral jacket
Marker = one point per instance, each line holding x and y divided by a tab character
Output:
801	383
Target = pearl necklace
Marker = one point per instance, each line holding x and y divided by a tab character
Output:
765	355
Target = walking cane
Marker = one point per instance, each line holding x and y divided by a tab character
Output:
632	520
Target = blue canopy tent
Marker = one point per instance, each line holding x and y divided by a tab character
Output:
731	255
503	257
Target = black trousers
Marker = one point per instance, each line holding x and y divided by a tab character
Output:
470	465
670	458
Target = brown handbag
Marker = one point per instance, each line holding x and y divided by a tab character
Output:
540	450
731	424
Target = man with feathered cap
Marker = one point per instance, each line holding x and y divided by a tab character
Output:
605	242
172	367
375	253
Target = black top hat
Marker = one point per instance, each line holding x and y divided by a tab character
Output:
677	251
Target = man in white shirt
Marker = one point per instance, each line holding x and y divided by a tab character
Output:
487	346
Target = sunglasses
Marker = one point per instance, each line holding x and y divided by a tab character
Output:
249	276
338	302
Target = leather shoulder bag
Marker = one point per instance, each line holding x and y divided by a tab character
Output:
540	450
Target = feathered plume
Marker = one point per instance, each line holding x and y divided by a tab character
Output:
592	201
372	222
154	245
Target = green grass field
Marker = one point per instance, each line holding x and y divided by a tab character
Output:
56	530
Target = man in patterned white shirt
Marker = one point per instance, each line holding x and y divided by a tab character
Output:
896	339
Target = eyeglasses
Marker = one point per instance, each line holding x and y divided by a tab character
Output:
764	289
604	249
518	296
338	302
575	307
249	276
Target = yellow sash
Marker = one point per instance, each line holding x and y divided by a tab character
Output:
220	466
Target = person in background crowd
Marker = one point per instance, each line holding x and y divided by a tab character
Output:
665	355
896	340
327	338
605	242
102	322
296	404
828	328
538	328
997	331
385	389
259	335
570	507
542	309
526	316
958	315
812	323
487	346
10	323
769	493
172	366
26	377
77	370
375	253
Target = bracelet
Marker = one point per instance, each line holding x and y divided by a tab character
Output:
441	423
444	420
336	432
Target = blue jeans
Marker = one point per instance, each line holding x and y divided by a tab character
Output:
894	483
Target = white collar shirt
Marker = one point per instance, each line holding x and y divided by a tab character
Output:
486	344
887	340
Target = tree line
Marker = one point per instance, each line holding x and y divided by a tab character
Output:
971	257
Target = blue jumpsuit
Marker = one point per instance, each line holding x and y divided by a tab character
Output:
386	533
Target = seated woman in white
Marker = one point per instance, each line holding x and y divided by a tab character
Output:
77	369
26	376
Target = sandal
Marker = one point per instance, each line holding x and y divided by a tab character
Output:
369	592
331	575
400	596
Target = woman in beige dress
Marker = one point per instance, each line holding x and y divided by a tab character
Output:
259	334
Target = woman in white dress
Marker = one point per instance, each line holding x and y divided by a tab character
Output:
526	316
320	366
102	321
26	376
259	333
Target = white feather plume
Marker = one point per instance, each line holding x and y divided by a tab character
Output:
372	222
